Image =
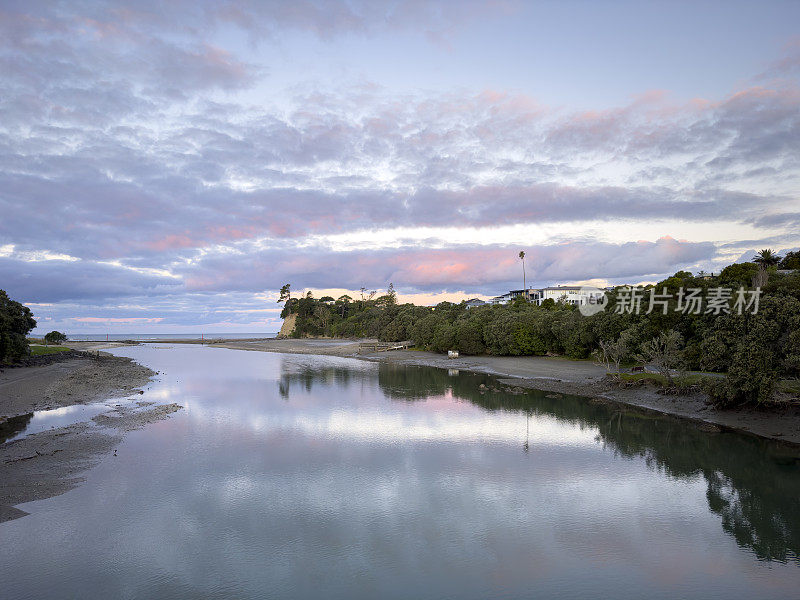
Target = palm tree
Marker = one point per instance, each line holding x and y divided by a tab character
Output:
764	259
524	284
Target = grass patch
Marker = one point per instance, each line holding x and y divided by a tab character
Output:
658	379
653	378
790	386
42	350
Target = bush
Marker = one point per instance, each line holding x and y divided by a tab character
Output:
751	378
55	337
16	321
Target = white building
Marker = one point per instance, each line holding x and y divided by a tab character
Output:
567	294
504	299
474	303
533	296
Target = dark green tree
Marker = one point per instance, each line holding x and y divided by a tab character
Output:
55	337
790	261
16	321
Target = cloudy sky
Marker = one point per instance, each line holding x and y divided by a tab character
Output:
166	167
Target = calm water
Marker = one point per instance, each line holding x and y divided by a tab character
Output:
305	477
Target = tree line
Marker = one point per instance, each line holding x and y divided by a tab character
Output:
753	350
16	321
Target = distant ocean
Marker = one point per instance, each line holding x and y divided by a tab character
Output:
154	337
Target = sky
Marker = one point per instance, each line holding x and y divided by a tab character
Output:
166	167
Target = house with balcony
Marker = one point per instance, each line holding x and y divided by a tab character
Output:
532	294
567	294
474	303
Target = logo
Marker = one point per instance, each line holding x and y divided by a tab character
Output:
591	301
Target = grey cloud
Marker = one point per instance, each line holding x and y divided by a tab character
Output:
778	220
58	281
473	267
93	217
476	268
314	172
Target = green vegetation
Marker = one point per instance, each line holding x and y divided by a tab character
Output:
42	350
55	337
657	378
753	350
16	321
790	261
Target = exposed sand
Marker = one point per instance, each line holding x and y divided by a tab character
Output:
292	346
583	378
74	381
45	464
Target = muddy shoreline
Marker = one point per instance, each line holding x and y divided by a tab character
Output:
76	379
52	462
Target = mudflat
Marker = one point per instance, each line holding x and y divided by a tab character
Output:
48	463
73	381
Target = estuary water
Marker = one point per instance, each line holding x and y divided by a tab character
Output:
296	476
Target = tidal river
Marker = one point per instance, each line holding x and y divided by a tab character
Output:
291	476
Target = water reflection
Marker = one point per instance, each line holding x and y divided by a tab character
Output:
300	476
14	425
304	375
752	484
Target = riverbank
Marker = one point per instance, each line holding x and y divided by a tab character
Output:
560	375
51	462
76	380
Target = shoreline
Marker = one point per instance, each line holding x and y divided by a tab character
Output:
67	381
51	462
559	375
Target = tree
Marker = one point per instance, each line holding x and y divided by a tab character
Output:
285	294
791	261
16	320
613	353
664	353
323	316
524	283
738	274
344	300
55	337
765	259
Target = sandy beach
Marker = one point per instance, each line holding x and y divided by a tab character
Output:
48	463
577	377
